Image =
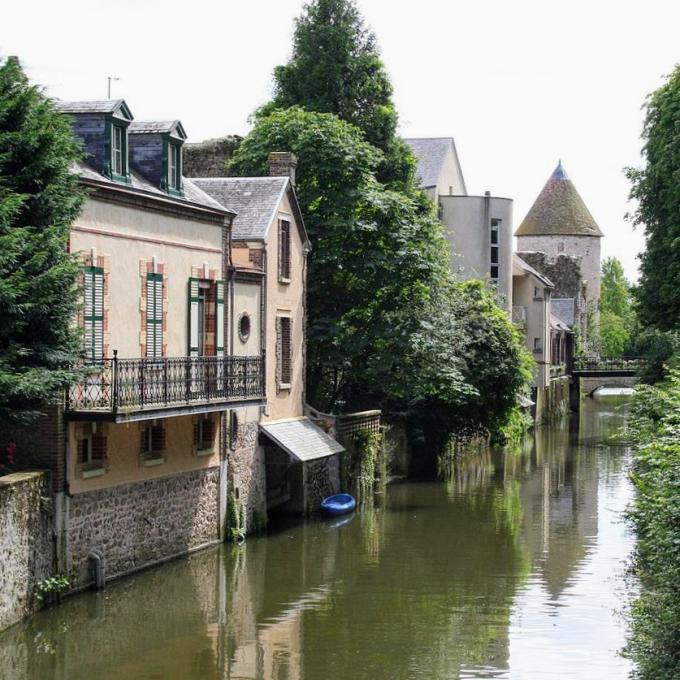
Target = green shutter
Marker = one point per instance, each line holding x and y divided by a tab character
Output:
94	312
154	315
219	318
193	317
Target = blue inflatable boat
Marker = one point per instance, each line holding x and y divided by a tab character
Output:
339	504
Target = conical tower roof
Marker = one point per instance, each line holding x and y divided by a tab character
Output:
558	211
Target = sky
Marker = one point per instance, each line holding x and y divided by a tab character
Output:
519	85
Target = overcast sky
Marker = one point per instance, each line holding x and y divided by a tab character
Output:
518	84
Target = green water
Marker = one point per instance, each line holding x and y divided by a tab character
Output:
511	569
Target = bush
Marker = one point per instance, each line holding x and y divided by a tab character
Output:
654	639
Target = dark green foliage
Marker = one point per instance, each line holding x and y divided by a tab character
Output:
656	187
654	640
336	68
374	259
39	200
659	349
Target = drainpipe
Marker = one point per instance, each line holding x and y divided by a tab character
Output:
98	568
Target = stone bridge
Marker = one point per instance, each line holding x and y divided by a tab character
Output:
590	373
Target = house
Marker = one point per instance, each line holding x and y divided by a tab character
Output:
282	462
478	228
560	238
137	451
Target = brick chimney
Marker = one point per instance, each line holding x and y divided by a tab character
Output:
282	164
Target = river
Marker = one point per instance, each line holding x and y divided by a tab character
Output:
512	568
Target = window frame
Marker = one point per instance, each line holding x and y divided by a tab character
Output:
154	317
284	369
284	250
149	454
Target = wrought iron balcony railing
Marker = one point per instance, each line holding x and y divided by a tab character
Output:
125	385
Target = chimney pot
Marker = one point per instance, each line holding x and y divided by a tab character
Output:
282	164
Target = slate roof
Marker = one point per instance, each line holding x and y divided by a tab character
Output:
557	323
255	201
563	309
153	127
93	106
302	439
430	152
558	211
192	193
525	266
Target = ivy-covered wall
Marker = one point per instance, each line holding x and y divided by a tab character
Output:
26	545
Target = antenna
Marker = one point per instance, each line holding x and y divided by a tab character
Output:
110	78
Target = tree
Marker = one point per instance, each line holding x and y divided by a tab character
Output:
656	187
617	319
374	258
336	68
39	200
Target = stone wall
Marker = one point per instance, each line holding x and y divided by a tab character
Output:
247	474
134	525
209	158
26	544
322	479
552	402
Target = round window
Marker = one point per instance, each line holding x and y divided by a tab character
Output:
244	327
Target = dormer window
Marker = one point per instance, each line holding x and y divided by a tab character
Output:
117	150
174	163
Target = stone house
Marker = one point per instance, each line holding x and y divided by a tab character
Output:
282	462
560	238
478	228
138	449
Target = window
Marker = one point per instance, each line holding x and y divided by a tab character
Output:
233	430
117	151
154	315
91	449
152	443
204	435
284	251
206	317
537	345
93	313
244	327
493	254
284	351
174	172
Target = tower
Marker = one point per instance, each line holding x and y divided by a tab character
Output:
558	233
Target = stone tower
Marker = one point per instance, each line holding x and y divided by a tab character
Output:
560	227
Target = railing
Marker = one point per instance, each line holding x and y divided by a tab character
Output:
519	315
136	384
608	364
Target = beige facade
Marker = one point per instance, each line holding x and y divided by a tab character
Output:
479	231
531	294
478	228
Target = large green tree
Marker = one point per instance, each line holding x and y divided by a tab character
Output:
39	199
374	259
336	68
656	187
617	320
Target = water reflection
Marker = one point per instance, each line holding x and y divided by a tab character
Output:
503	570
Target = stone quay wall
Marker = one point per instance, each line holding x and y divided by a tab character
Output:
322	480
26	543
247	475
136	525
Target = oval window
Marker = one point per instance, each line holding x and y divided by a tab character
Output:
244	327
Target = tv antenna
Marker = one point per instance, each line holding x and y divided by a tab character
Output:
111	78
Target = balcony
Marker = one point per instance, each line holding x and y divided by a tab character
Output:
120	390
519	316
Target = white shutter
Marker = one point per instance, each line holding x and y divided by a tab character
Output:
94	313
154	315
193	317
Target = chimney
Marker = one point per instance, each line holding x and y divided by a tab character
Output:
282	164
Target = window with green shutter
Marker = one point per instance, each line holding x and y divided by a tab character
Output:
154	315
93	290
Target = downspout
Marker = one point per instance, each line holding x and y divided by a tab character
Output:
98	568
